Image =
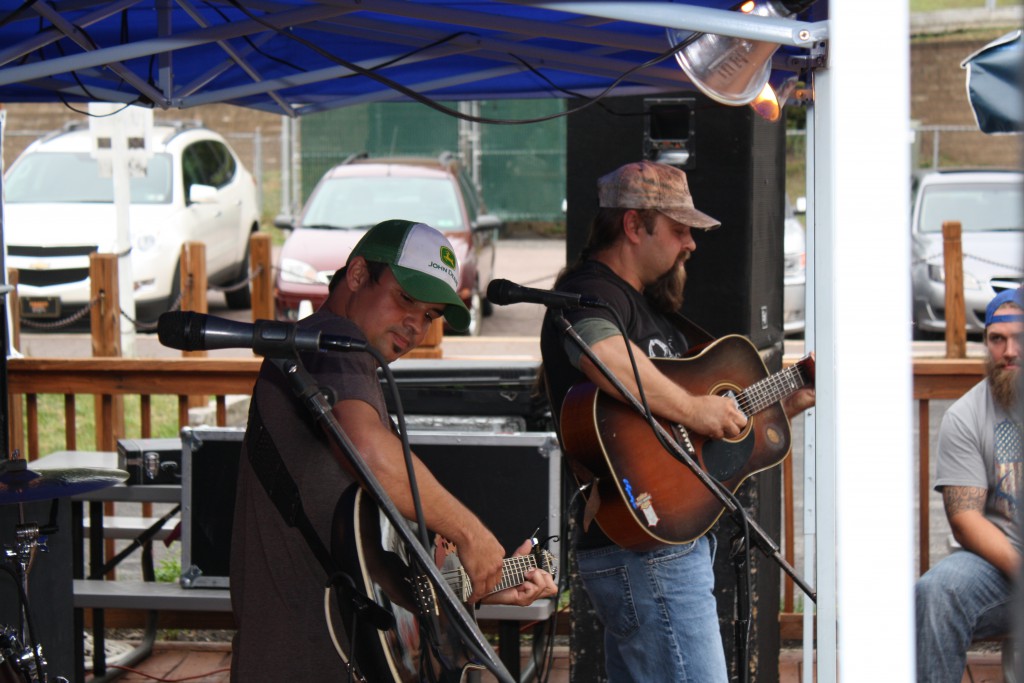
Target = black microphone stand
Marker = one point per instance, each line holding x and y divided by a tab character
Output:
309	393
768	546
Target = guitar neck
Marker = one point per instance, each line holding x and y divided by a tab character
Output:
772	389
513	573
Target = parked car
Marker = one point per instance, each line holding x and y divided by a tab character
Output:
990	208
59	209
358	194
794	273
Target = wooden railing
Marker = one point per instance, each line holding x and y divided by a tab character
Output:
106	378
934	379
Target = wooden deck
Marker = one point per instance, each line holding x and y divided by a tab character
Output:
209	663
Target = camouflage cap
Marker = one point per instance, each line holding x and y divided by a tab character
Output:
649	185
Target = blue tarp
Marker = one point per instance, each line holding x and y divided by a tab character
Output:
301	56
994	84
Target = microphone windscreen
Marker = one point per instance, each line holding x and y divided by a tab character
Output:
180	330
500	292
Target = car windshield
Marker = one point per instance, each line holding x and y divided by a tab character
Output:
74	177
350	203
979	208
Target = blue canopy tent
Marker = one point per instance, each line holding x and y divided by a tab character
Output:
300	56
994	84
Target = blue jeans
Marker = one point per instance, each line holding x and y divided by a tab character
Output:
960	599
659	613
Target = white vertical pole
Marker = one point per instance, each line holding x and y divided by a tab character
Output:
810	457
870	299
286	169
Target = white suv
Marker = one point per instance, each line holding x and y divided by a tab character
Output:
58	210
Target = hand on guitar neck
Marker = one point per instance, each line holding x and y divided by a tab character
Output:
535	583
802	400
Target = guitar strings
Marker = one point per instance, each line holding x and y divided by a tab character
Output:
769	390
513	574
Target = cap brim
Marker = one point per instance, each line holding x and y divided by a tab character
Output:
692	217
429	289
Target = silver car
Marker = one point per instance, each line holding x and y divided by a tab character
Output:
990	208
794	274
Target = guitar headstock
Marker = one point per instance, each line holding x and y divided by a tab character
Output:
806	366
545	560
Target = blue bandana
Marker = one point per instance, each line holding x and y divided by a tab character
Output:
1004	297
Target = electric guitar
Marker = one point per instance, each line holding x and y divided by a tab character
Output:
641	495
368	549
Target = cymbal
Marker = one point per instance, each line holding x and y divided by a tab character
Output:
21	485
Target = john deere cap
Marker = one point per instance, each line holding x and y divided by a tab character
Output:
423	262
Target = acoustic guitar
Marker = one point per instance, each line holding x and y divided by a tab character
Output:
641	495
366	547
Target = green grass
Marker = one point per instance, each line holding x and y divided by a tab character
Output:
51	421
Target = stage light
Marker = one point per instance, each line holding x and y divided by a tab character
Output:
732	71
769	102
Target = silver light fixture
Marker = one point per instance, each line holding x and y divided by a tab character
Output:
732	71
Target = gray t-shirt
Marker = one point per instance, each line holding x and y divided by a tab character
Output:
277	585
980	446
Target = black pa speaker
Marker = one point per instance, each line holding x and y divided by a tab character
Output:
735	164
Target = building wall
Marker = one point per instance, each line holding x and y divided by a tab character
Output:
939	98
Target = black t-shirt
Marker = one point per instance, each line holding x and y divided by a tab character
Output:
651	330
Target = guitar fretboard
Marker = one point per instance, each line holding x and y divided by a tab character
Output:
513	573
771	390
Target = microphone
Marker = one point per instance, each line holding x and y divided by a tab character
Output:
503	292
190	331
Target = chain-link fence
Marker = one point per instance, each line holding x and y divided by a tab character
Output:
520	169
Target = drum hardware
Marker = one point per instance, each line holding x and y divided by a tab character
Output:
21	656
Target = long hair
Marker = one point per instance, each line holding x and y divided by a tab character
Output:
665	295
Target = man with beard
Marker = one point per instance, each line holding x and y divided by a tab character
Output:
657	607
967	595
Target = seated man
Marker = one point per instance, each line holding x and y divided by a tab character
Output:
967	595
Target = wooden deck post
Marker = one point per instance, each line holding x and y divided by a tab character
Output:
15	410
105	321
193	298
261	266
956	316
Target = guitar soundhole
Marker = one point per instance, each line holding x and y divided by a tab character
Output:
725	458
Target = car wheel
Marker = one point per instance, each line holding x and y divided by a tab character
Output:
476	314
241	298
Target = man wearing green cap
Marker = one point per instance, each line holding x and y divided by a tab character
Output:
980	472
399	278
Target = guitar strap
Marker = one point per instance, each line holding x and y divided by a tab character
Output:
281	488
694	333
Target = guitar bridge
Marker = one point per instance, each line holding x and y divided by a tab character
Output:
423	595
683	437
